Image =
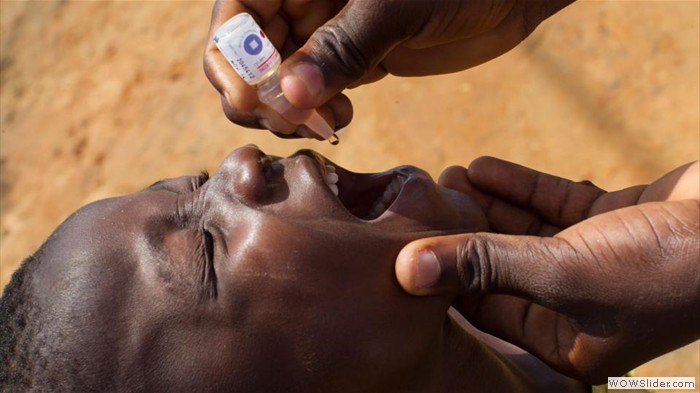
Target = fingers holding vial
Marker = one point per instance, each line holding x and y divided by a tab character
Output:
257	62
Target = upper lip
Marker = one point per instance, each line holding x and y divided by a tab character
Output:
358	191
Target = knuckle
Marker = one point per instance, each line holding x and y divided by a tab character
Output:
340	53
562	210
586	183
534	188
474	265
245	119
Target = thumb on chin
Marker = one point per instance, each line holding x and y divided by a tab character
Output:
427	266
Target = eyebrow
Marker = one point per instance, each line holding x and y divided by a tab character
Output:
199	179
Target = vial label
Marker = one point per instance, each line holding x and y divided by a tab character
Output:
246	47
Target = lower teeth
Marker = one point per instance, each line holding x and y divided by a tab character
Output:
377	209
386	199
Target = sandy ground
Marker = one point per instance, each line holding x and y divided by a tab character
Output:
100	99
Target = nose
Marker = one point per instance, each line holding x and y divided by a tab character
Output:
241	175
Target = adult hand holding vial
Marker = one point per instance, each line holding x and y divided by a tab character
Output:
257	62
330	45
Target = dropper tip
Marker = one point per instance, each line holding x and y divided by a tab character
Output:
319	126
333	139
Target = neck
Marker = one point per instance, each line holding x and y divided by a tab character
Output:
473	361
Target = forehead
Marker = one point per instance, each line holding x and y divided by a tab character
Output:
87	236
105	266
100	244
109	226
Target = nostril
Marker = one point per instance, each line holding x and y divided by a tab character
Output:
247	185
273	171
242	174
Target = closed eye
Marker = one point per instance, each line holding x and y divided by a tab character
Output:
207	271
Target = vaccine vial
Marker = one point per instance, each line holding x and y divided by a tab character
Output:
256	60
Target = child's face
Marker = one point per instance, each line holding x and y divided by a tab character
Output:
259	277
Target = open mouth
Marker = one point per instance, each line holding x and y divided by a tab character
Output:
366	201
366	196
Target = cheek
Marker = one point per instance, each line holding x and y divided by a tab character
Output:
176	268
272	254
324	295
180	245
264	263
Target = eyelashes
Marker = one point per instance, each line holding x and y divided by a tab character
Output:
202	178
207	272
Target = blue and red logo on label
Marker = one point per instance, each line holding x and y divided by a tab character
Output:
253	45
247	48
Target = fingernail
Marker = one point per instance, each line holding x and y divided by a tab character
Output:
427	270
309	75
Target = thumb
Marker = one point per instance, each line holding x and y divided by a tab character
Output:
347	48
525	266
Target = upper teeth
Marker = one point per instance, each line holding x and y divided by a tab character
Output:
331	179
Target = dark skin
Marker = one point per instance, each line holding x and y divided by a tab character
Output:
595	283
330	45
241	283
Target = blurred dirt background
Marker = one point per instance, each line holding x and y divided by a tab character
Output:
102	98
